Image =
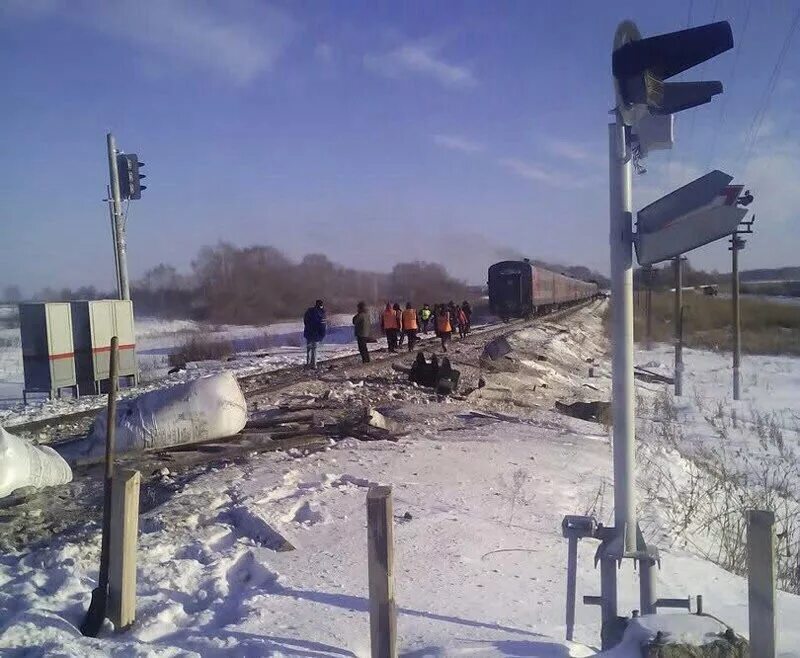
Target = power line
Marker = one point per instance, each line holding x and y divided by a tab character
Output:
690	132
761	112
669	155
724	104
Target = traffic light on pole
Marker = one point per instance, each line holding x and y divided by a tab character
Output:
128	167
640	67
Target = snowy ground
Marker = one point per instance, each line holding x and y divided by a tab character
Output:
479	557
258	349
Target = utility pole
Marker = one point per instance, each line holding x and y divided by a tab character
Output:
119	222
737	244
113	237
677	321
647	273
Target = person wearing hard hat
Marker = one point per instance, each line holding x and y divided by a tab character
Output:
425	317
390	324
362	329
409	325
443	327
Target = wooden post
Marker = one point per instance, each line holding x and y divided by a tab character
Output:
122	559
761	582
380	551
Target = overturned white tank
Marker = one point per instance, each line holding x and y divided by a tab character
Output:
23	464
200	410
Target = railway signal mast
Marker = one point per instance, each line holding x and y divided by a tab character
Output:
642	122
125	183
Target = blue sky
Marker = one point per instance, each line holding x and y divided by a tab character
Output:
372	132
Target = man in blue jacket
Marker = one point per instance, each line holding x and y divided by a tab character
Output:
314	327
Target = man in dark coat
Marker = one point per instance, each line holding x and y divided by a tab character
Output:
362	326
315	325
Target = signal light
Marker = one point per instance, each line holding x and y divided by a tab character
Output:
640	67
128	166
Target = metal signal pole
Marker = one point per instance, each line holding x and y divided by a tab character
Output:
677	320
621	241
648	305
118	220
113	237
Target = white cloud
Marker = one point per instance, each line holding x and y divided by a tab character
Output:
457	143
574	152
324	53
238	40
771	175
421	59
570	150
539	174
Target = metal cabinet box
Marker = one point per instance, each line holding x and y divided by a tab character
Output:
47	347
94	323
126	332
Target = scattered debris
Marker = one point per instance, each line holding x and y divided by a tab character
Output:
651	377
496	349
440	376
376	419
597	410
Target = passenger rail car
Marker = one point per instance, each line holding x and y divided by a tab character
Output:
518	289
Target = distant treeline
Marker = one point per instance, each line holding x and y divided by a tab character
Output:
258	284
663	277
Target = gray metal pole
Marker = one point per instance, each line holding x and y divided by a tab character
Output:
621	240
648	272
737	338
608	596
124	289
572	574
761	582
676	265
114	240
647	589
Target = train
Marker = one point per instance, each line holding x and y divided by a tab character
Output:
519	289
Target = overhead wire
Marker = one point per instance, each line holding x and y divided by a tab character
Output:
690	132
763	107
669	154
732	77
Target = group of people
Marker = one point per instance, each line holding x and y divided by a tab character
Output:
397	324
400	325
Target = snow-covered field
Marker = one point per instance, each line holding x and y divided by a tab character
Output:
479	557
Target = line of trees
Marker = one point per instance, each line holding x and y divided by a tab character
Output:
259	284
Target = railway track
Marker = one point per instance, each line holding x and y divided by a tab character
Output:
35	516
78	423
255	384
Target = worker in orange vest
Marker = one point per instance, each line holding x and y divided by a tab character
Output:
390	324
409	325
443	327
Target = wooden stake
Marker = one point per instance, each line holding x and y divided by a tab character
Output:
124	536
380	547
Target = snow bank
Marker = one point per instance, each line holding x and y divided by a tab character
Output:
683	629
199	410
23	464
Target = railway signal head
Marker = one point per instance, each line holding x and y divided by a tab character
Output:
640	67
128	166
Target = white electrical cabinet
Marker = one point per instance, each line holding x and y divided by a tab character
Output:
94	323
48	356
